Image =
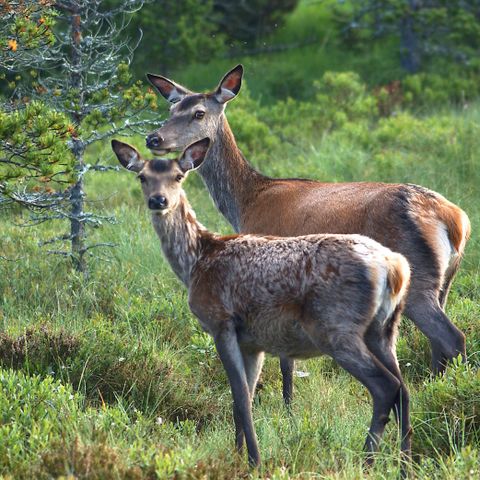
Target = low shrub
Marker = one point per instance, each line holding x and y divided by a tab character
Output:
448	407
34	411
109	367
454	86
343	97
105	366
37	349
97	461
339	99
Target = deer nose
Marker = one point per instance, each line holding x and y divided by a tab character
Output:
153	140
157	202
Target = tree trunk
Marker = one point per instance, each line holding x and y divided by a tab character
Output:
77	225
409	52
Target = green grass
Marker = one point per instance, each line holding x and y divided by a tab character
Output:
141	391
111	377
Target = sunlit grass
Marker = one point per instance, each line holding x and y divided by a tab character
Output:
138	390
152	396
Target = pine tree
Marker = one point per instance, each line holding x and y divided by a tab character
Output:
78	91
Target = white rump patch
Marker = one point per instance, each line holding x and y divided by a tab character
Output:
385	303
374	255
378	260
445	251
465	230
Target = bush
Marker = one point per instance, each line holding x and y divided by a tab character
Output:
37	349
453	86
343	97
33	412
97	461
45	433
110	366
449	411
340	100
404	131
106	366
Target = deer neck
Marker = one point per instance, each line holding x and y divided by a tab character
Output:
230	179
180	235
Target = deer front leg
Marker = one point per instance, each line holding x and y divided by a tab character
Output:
231	356
286	366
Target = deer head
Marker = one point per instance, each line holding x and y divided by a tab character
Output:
161	179
193	116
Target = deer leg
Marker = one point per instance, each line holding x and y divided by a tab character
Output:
382	385
253	363
231	356
286	366
401	407
447	282
351	353
446	340
382	345
239	435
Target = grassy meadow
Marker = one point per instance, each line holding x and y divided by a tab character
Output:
111	377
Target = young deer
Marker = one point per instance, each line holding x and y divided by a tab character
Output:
427	229
299	297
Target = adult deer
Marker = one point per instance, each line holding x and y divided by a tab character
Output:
421	224
299	297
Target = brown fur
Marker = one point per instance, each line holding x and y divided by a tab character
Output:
406	218
294	297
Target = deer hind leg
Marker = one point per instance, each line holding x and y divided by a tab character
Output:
380	340
381	383
352	354
446	340
253	367
253	363
448	280
286	366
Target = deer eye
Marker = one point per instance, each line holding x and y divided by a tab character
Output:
179	178
199	114
142	178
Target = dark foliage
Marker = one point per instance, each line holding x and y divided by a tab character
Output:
425	30
249	20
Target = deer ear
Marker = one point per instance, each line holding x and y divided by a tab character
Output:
128	156
230	85
194	155
170	90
